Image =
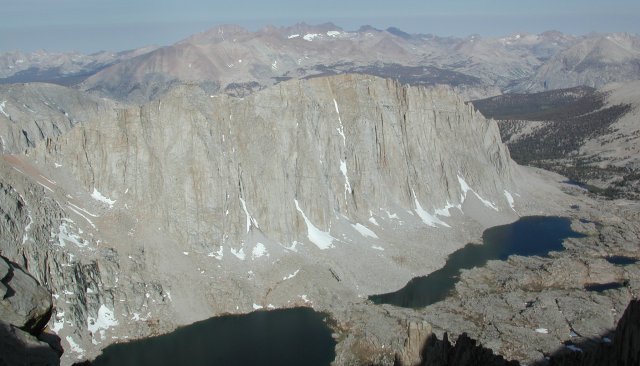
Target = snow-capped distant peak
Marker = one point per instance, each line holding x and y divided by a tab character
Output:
311	36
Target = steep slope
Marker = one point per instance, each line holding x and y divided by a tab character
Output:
310	192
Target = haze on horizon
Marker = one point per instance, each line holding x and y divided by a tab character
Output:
91	25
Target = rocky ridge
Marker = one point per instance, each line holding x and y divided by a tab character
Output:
234	60
56	67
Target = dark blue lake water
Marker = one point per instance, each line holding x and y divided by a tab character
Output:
285	337
621	260
529	236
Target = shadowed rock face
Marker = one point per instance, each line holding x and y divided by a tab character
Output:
25	309
24	303
624	350
18	348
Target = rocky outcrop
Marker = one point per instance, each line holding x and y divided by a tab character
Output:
418	334
465	352
623	351
19	348
25	309
24	302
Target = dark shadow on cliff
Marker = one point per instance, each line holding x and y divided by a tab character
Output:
621	347
465	352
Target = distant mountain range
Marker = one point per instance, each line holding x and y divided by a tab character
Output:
237	61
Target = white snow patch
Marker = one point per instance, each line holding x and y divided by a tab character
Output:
364	231
250	220
318	237
305	299
66	235
311	36
77	210
542	331
292	247
90	290
426	217
25	237
293	36
137	317
58	322
2	106
509	198
45	187
347	185
99	197
291	275
258	251
377	248
274	65
217	255
238	253
333	33
185	253
392	216
105	320
445	210
57	165
465	189
47	179
487	203
271	306
82	209
74	346
341	128
256	307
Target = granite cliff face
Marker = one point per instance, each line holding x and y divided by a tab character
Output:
313	192
220	170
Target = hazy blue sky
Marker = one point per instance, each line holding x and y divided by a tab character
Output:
92	25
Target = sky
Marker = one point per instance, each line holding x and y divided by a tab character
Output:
93	25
